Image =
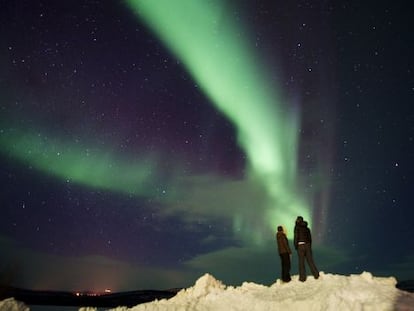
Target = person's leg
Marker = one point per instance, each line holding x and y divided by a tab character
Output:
288	265
285	267
302	269
282	272
311	263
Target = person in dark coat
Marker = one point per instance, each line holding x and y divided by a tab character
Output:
284	253
299	219
303	244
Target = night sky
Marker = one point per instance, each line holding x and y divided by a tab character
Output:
144	143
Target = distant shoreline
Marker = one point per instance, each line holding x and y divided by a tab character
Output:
60	298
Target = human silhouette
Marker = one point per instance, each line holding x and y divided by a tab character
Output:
284	253
303	245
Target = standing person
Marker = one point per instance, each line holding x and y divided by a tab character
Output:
284	253
303	244
299	220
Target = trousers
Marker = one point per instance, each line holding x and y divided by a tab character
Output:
305	251
285	260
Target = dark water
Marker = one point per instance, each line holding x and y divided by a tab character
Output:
58	308
66	301
52	308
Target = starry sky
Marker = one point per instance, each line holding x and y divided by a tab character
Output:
144	143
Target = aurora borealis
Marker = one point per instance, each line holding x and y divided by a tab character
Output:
78	164
218	57
146	142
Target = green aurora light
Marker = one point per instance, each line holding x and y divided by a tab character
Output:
80	164
203	36
225	67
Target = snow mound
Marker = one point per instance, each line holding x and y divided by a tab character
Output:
204	286
10	304
329	292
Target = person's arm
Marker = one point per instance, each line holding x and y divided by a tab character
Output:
287	245
310	237
278	243
295	238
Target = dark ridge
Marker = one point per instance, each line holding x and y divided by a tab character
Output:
407	285
112	300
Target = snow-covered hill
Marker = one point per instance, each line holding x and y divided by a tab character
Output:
329	292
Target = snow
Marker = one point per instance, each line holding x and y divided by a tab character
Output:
10	304
329	292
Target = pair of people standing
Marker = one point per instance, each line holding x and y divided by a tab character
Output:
303	244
